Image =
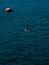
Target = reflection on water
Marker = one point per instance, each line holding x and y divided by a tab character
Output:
24	48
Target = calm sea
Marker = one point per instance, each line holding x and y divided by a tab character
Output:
24	48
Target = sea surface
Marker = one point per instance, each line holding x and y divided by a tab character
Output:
18	47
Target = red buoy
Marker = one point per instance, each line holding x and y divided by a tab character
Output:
8	9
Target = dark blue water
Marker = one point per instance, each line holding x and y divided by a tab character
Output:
24	48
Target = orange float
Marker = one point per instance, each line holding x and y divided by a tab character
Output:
8	10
